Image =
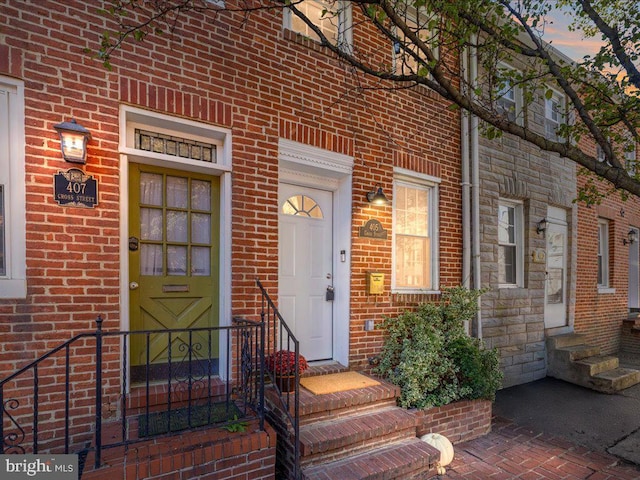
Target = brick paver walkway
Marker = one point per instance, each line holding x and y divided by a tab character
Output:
514	452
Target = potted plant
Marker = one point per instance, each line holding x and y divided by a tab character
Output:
282	364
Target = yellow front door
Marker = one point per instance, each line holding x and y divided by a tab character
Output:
174	271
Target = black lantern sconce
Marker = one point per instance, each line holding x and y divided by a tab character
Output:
73	141
541	226
377	197
632	237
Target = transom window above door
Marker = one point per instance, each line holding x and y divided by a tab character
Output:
303	206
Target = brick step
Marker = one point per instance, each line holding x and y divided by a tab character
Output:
615	380
192	452
404	459
565	340
331	440
314	408
594	365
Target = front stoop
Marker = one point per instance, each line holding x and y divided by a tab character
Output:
361	434
211	453
572	360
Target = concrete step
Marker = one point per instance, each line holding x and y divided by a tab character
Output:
595	365
565	340
331	440
404	459
576	352
612	381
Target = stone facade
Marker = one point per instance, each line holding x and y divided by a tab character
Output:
513	316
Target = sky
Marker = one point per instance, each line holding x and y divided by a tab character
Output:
570	43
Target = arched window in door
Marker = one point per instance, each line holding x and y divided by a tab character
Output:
302	206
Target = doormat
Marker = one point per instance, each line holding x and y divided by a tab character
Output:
337	382
179	418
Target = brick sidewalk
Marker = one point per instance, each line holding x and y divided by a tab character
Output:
511	451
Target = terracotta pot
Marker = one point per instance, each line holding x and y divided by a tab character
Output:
286	383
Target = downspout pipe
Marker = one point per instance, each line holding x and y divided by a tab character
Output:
465	183
475	188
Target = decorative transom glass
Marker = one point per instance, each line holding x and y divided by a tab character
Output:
303	206
174	146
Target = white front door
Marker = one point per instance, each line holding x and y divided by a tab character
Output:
555	312
634	273
305	267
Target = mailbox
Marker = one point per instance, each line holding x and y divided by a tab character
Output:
375	283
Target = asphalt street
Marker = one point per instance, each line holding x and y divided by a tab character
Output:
603	423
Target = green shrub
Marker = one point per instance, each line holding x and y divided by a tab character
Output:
429	355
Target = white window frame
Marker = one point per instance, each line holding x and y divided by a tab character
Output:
13	284
400	66
603	269
518	219
554	115
505	104
431	185
345	23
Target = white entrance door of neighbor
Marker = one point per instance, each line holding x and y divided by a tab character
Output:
306	268
555	312
634	273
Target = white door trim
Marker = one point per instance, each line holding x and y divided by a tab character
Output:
222	137
318	168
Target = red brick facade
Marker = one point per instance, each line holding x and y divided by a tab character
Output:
248	75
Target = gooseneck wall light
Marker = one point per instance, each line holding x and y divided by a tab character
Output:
73	141
632	237
377	197
541	226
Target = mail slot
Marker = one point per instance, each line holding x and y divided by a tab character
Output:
375	283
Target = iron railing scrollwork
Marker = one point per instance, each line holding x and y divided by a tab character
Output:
60	402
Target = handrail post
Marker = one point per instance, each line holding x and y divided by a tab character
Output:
98	392
261	361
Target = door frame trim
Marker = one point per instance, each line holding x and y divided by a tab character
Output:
314	167
222	138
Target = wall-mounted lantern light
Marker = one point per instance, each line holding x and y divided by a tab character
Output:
541	226
632	237
377	197
73	141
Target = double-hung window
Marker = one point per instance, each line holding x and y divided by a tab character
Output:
510	244
603	253
509	95
12	190
332	18
405	50
554	115
415	237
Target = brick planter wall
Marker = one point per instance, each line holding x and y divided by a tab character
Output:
458	421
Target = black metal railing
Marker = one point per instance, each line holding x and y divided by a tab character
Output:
280	338
63	401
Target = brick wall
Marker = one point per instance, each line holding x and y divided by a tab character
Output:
459	421
246	74
601	312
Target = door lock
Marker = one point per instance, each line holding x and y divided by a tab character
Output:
330	295
133	285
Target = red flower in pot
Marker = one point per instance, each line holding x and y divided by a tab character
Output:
283	365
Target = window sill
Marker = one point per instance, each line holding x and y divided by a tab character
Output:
606	290
14	289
